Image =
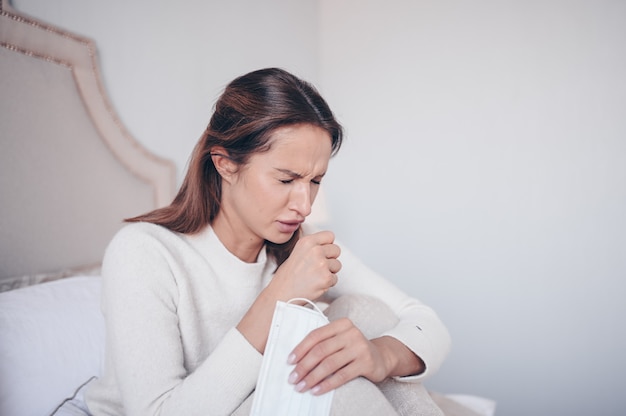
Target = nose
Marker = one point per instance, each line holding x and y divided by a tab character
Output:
300	199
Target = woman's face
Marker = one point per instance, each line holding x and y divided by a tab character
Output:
270	196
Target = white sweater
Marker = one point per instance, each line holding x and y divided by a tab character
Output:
171	304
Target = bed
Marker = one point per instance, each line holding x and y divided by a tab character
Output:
69	173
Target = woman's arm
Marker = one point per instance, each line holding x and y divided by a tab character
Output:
419	328
417	345
144	339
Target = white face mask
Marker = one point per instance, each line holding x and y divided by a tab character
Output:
274	395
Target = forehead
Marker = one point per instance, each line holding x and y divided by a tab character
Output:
302	145
300	134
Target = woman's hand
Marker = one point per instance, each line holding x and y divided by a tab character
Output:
308	273
310	270
336	353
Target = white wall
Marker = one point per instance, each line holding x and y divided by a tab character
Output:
483	170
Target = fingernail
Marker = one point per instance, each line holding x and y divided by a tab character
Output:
293	377
301	385
315	390
291	359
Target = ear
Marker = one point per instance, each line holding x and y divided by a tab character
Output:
223	163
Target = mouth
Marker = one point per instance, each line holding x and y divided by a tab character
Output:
288	226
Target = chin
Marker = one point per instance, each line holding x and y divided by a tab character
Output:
281	238
279	241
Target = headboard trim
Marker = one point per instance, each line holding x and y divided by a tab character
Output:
14	48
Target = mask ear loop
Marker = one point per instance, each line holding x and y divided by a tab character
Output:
309	302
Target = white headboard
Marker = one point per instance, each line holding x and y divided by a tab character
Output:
69	170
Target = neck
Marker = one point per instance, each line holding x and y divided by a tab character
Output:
242	245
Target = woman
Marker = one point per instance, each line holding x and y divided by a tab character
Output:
189	290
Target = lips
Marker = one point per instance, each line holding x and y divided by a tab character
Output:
288	226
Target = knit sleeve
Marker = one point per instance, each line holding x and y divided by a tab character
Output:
140	302
419	327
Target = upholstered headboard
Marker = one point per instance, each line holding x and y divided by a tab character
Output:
69	170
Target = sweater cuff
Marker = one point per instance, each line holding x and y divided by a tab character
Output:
415	339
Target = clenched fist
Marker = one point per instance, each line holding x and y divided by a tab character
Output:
310	270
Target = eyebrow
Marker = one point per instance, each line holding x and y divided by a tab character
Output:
297	175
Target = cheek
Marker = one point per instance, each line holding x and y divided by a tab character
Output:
266	195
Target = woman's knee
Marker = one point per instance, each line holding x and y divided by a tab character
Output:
360	397
371	315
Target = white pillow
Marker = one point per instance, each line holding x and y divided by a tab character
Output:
51	342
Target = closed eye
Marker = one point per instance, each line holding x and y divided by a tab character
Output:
293	176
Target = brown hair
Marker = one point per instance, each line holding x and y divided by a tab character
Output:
251	107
